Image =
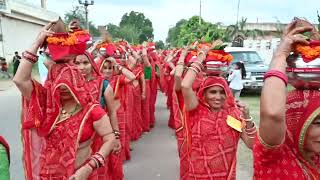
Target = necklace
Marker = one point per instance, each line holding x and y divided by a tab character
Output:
65	115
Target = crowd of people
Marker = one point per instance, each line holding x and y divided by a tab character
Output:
80	121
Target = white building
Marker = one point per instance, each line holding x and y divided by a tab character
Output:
265	47
20	23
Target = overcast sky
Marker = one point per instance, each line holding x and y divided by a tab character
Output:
165	13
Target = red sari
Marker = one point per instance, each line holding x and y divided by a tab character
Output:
153	88
134	104
118	85
50	145
114	168
212	144
170	81
288	160
146	118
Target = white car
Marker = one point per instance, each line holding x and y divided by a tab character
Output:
253	63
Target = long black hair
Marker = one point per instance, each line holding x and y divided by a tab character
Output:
242	68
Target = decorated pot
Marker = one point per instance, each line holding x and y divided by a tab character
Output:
302	74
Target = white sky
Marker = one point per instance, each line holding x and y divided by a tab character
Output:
165	13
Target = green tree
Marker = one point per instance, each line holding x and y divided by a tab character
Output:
79	13
239	29
188	31
160	45
174	32
134	27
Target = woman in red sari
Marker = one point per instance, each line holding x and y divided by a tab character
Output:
135	95
118	77
59	120
287	146
103	93
213	126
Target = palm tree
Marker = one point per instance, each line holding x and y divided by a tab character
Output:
239	32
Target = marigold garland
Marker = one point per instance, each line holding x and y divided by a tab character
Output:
224	57
308	51
69	40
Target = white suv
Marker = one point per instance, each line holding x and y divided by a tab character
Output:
253	63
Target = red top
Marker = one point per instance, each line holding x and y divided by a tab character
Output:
275	162
96	114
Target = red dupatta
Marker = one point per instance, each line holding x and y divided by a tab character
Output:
289	160
302	107
212	144
114	166
50	146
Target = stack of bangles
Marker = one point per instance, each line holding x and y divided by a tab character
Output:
30	57
250	131
180	64
98	159
116	134
196	67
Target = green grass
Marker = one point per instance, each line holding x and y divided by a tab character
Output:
245	160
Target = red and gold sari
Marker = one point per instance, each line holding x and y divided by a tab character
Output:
134	104
118	85
288	160
211	143
153	87
50	145
114	168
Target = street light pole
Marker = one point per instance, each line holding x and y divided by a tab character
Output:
86	4
238	12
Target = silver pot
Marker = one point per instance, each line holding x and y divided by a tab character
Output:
303	75
215	67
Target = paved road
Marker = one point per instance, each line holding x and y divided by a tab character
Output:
154	155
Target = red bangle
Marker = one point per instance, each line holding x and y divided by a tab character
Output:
277	74
30	57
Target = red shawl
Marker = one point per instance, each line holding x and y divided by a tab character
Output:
50	146
302	107
212	144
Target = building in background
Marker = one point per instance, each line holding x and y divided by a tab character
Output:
265	45
20	22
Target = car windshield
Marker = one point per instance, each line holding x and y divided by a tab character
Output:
246	57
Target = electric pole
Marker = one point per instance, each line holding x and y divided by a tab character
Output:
86	4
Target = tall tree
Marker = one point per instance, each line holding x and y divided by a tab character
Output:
134	27
160	45
174	32
189	31
79	13
239	29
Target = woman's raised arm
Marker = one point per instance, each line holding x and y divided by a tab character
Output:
273	96
22	79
